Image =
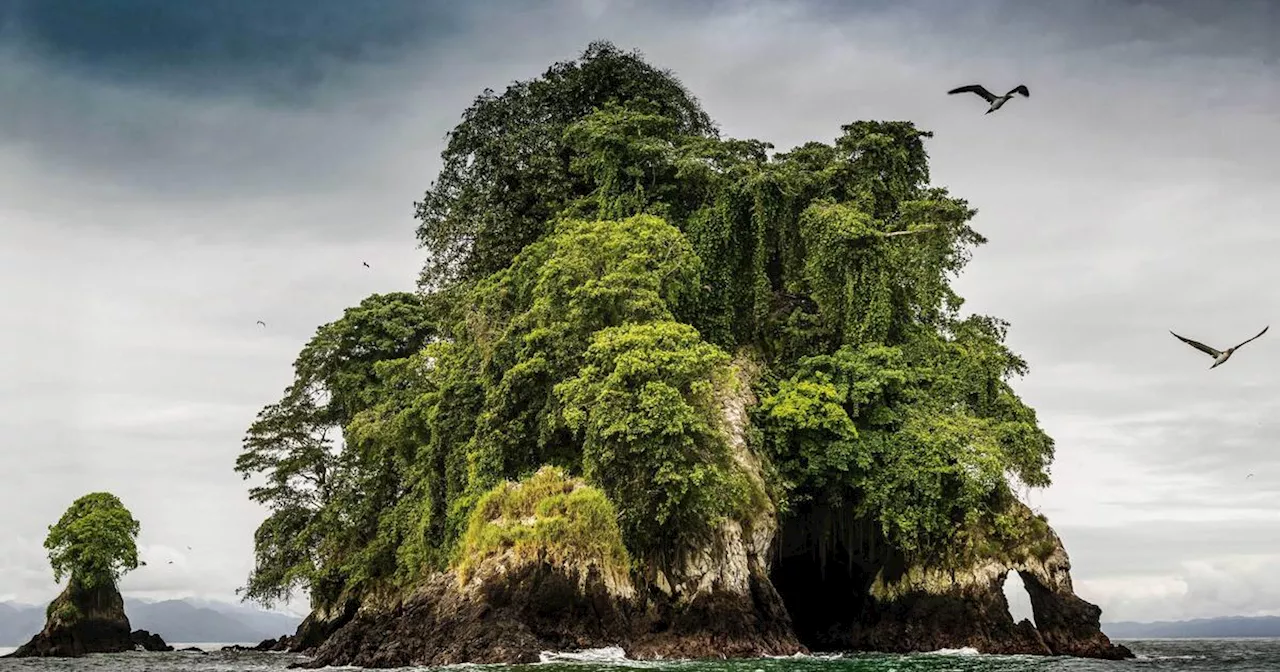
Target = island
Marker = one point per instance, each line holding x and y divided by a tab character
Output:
92	545
664	390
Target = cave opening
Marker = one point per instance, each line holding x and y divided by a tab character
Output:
823	569
1017	598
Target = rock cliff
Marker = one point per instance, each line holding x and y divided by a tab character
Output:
726	598
82	621
918	609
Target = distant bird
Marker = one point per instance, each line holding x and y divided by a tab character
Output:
142	563
366	264
997	102
1220	357
171	562
1248	477
262	323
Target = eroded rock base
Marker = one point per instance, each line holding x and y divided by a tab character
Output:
512	616
81	621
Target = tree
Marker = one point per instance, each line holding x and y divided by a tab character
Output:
296	444
93	543
507	169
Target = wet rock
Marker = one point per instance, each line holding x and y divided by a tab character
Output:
82	621
149	641
926	609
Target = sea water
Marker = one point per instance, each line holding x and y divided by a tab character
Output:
1169	655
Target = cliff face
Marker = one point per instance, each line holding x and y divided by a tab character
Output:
726	598
921	609
82	621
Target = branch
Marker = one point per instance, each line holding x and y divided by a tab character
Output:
907	233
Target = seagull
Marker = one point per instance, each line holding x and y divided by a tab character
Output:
262	323
1219	356
996	101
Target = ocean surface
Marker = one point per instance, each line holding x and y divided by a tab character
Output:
1168	655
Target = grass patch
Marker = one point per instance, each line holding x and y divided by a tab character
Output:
547	515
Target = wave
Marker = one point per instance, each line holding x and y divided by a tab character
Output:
608	654
963	651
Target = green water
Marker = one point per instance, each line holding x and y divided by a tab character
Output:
1225	655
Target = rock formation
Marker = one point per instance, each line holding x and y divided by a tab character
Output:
712	601
149	641
82	621
910	609
725	599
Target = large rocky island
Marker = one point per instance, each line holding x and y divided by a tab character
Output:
666	391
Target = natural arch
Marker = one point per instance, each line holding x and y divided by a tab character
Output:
1018	599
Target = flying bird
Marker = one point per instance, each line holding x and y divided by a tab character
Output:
1220	357
996	101
366	264
262	323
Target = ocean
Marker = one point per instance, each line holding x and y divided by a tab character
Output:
1169	655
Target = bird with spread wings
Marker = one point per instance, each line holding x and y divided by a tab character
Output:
995	101
1220	357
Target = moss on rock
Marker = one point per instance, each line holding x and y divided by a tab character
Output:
548	516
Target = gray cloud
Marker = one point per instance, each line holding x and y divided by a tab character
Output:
147	222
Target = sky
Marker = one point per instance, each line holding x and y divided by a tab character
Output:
171	173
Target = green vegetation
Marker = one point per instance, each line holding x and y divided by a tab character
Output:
597	252
548	514
93	542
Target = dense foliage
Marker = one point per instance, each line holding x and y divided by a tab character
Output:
93	543
600	261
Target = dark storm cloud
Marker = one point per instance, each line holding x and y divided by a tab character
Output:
280	49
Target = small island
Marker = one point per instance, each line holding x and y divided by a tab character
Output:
664	390
92	545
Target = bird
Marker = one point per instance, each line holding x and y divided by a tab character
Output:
171	562
1220	357
1248	477
996	101
262	323
366	264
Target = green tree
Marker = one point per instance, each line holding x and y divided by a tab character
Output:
507	169
296	443
93	543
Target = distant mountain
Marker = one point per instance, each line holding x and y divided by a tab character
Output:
1200	628
175	620
18	622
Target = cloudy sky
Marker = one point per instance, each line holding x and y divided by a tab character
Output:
170	173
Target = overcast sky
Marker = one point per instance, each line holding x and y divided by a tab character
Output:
170	173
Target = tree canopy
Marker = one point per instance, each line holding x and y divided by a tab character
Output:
600	259
93	543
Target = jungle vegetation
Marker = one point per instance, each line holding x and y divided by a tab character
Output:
599	256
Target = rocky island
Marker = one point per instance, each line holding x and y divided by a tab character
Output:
662	390
91	545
